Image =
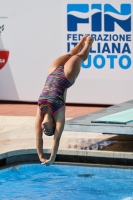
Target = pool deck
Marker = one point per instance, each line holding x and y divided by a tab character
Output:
17	138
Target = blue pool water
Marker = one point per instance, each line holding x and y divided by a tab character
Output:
65	182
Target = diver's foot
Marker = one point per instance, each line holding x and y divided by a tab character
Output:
90	40
82	41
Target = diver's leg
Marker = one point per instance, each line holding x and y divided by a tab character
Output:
85	51
75	50
73	65
63	59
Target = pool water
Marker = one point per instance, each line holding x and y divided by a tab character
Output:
65	182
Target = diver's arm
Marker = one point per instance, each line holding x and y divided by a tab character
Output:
39	139
57	135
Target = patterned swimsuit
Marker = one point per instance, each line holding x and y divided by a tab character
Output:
53	92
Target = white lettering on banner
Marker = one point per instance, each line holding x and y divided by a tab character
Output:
2	60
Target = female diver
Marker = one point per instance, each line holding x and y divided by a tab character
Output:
50	117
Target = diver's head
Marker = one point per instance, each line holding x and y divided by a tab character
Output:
48	128
48	124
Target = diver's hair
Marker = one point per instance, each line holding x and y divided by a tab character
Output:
48	129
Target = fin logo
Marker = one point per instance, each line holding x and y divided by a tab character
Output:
3	58
81	14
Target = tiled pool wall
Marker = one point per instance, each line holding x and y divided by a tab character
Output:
19	157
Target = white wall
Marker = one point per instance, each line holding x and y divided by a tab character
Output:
35	33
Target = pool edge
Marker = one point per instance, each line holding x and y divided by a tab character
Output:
84	157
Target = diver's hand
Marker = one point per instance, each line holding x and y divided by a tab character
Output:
47	162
